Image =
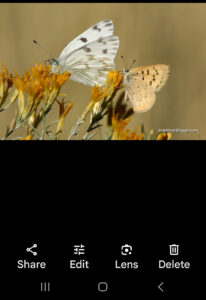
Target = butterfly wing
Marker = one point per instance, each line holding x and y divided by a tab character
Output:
142	83
100	30
89	77
155	75
91	63
90	55
141	96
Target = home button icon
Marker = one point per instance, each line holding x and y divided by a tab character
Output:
102	286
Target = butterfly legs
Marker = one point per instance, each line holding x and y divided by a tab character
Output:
126	98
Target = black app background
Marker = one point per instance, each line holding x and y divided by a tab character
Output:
102	201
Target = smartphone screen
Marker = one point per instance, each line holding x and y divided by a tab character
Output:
99	196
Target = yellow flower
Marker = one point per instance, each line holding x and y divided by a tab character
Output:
39	85
119	125
119	131
40	71
62	114
97	94
27	138
5	85
164	136
128	135
114	80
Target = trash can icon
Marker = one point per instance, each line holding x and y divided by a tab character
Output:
174	249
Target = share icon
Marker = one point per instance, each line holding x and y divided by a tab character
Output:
30	249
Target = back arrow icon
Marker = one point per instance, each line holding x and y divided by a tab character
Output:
159	287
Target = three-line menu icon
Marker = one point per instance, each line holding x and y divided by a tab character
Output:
45	286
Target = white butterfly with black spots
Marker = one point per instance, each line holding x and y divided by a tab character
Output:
90	55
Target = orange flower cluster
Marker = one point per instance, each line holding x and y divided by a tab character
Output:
105	93
37	85
40	86
6	83
119	131
164	136
63	111
114	80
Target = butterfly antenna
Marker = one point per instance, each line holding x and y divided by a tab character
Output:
132	63
125	63
35	42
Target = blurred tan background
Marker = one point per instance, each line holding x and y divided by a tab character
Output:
151	33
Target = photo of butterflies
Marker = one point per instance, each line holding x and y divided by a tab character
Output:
135	77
